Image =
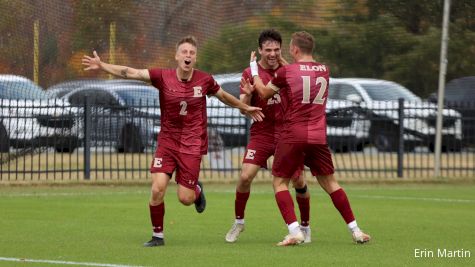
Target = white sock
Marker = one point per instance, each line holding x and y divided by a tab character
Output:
304	227
239	221
158	234
294	228
353	226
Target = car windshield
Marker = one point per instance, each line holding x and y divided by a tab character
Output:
21	90
139	96
388	92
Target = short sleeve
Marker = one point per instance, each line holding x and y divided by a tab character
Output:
156	77
213	86
279	81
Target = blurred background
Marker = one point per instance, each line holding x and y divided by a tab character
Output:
59	122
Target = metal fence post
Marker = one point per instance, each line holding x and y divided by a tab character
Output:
87	138
400	151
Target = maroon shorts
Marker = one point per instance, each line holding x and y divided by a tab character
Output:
289	157
258	153
187	166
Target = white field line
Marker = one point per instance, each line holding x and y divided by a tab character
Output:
66	262
73	194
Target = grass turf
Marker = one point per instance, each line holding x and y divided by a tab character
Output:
108	224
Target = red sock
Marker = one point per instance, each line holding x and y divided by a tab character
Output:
156	214
240	204
304	207
197	191
340	200
286	206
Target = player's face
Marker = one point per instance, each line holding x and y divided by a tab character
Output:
270	52
186	56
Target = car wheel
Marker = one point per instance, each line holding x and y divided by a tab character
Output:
130	140
4	140
67	145
384	137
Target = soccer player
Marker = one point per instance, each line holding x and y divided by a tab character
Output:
183	137
264	136
303	87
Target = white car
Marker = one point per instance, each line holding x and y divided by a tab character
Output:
380	97
28	117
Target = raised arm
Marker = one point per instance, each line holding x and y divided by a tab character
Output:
254	112
95	63
265	92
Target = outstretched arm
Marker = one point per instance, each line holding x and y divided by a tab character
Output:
95	63
254	112
265	92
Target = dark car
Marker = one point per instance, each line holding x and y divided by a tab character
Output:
124	116
460	95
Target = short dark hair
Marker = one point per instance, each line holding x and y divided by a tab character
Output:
269	35
190	39
304	41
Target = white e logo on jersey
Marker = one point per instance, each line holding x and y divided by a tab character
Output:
250	154
157	162
197	91
274	100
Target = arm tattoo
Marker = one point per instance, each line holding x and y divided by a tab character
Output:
124	72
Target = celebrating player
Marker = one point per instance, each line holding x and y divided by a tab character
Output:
303	88
264	136
183	137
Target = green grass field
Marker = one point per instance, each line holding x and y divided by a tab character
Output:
108	224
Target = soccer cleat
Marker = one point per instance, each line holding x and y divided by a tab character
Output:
360	238
200	202
154	242
291	240
234	232
307	234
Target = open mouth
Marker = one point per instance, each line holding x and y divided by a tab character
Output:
187	61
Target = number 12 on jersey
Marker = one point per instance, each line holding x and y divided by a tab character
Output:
319	99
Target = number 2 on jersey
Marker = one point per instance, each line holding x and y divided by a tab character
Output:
319	99
183	105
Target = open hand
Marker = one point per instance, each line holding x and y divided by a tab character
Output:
255	113
253	56
92	63
246	86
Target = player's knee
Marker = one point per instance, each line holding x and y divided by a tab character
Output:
246	179
300	183
186	199
158	193
328	183
301	189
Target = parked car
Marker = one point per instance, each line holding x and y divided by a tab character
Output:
459	95
230	124
347	126
29	117
381	98
125	116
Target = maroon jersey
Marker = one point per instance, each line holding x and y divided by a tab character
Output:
303	90
183	110
265	131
